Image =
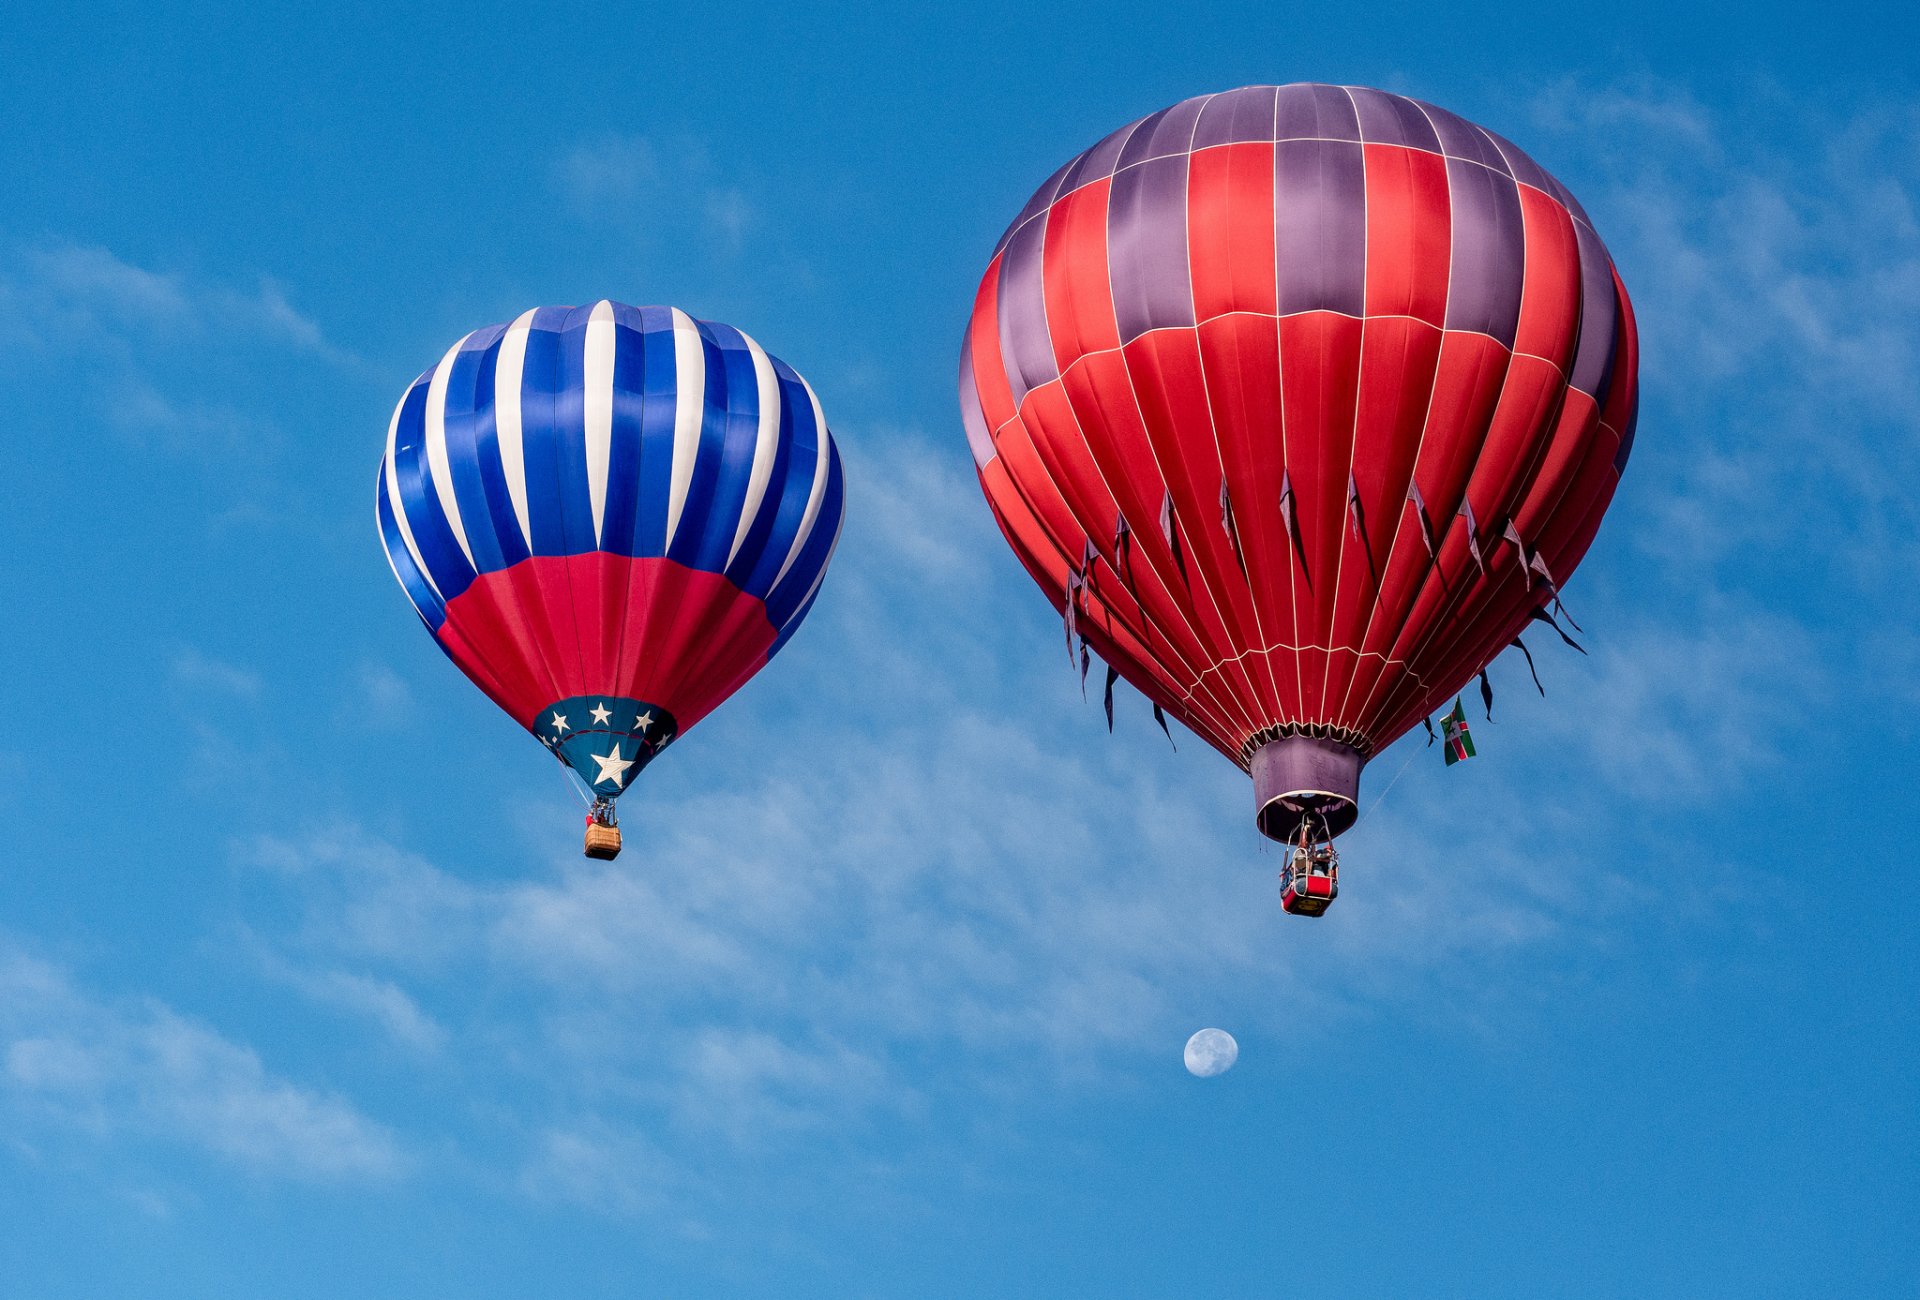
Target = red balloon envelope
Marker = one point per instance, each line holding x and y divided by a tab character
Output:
1298	401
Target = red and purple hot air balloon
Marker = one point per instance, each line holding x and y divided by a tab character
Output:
1298	402
609	517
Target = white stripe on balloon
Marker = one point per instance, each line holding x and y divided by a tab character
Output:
508	372
437	466
598	398
399	510
690	396
765	446
814	496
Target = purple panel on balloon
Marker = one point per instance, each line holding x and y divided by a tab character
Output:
1168	132
1098	162
1319	210
1489	251
1042	199
1024	342
1314	112
1389	119
1626	435
1599	317
1147	247
1523	168
1236	117
1462	139
972	414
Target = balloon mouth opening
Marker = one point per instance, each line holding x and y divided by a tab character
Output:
1305	779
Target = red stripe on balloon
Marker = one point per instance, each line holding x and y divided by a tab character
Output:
703	636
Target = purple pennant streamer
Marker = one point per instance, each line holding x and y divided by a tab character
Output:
1171	534
1426	533
1357	520
1426	525
1512	534
1113	675
1473	536
1161	718
1293	525
1086	662
1428	721
1486	694
1226	522
1521	646
1072	612
1123	548
1539	566
1540	615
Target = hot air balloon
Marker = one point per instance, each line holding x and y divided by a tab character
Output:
609	518
1299	402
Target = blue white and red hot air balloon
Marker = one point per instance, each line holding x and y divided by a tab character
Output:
609	517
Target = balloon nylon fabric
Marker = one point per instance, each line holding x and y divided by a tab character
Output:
609	517
1303	396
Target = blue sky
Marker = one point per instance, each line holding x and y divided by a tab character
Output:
306	991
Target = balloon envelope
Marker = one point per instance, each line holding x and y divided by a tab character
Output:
1298	401
609	517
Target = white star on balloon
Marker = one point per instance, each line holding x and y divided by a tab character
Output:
600	715
559	722
644	720
613	767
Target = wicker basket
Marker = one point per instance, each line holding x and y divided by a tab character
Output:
603	842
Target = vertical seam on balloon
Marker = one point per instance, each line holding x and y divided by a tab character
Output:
637	434
1228	706
560	483
1296	561
1221	711
1458	599
1413	471
1328	714
1426	423
478	651
1589	521
1166	486
1262	707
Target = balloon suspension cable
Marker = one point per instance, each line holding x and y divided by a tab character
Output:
1381	798
581	788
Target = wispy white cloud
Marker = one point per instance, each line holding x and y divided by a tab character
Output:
64	295
378	699
658	189
380	1001
1775	261
76	1065
603	1168
954	862
196	671
154	354
936	851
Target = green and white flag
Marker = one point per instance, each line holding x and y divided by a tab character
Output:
1459	742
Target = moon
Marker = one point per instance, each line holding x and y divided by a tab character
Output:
1211	1052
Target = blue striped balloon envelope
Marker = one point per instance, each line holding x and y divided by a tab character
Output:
609	517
